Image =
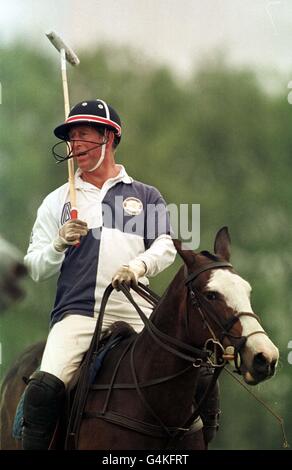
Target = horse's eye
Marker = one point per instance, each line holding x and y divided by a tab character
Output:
211	295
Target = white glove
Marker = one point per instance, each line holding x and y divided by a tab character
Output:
129	274
70	233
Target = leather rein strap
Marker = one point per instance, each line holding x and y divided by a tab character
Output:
161	338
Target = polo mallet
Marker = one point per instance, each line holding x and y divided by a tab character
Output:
66	53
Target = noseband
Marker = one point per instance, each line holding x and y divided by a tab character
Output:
207	311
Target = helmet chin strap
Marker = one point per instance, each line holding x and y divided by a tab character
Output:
101	156
100	160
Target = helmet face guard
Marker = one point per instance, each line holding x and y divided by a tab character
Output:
63	150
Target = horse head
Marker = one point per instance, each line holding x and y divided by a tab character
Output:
221	297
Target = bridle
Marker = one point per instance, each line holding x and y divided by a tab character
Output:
207	312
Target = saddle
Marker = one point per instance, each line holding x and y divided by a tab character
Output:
86	375
117	332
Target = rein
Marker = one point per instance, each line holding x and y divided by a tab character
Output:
158	336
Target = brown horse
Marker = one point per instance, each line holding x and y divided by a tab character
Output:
144	396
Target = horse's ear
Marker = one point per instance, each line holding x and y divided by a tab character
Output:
222	244
186	254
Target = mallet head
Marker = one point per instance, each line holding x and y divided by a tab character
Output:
59	45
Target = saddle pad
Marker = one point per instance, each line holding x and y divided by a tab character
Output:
18	419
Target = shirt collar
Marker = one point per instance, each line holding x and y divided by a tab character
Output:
122	176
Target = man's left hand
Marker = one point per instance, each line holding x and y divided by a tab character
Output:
129	274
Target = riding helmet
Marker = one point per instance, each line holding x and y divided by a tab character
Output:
93	112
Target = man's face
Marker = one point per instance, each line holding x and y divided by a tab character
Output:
84	141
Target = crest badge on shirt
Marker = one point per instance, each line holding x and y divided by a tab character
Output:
132	206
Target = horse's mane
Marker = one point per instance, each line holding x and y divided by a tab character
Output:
178	275
210	255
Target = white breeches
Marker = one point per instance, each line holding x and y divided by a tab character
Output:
67	342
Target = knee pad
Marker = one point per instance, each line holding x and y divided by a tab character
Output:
42	405
43	398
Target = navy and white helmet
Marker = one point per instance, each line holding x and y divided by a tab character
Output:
93	112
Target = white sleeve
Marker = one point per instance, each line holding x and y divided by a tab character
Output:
159	255
42	260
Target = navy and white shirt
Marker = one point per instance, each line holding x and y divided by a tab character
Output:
127	222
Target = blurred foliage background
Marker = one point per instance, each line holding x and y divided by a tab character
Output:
219	139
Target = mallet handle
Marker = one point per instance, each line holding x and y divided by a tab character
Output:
74	213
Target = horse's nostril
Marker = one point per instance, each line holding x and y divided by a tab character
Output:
260	363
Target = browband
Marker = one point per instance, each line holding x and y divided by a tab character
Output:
207	267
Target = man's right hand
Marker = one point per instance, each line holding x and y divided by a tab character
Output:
70	233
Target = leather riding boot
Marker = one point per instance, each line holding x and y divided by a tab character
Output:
210	411
43	400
